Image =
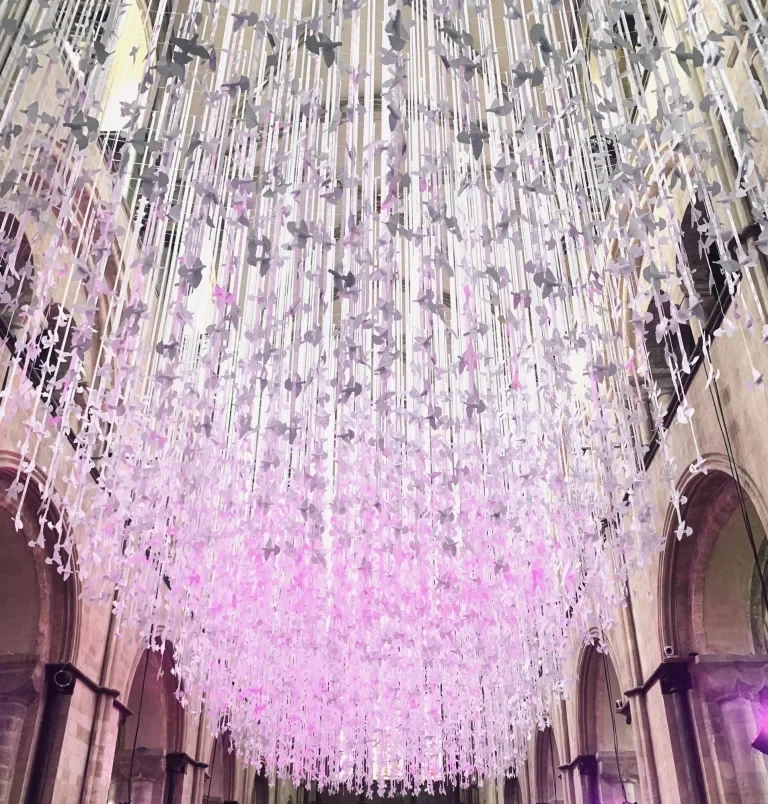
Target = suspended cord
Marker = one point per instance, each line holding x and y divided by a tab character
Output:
613	727
213	765
138	723
720	415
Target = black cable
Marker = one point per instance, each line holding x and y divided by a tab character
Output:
613	727
720	415
213	765
136	735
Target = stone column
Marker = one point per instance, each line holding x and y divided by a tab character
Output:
21	681
13	710
586	764
175	771
740	729
148	779
730	686
181	771
675	684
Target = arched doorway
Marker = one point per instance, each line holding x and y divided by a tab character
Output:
154	730
549	778
713	612
38	618
605	731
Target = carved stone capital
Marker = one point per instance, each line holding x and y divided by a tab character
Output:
674	677
724	678
21	678
176	763
586	764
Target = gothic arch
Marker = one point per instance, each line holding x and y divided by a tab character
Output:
39	623
220	785
686	589
154	729
706	611
548	779
604	733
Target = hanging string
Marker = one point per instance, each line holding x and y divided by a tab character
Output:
613	727
138	723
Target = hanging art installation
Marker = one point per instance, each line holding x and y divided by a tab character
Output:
339	358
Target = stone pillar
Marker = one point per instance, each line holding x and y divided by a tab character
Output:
21	682
675	683
740	729
175	771
728	687
148	778
143	791
181	771
13	710
587	767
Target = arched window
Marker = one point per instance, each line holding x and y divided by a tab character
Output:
666	347
703	258
54	353
626	40
16	273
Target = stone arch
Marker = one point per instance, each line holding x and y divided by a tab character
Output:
689	587
39	618
548	777
154	730
707	610
220	784
604	732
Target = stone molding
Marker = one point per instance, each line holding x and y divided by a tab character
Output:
724	677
